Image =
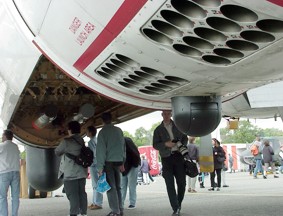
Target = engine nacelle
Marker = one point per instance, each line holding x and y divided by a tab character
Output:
42	168
196	116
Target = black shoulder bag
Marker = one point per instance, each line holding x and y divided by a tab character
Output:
191	168
85	158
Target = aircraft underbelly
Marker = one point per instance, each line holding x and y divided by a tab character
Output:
146	52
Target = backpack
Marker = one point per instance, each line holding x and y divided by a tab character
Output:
132	153
254	150
85	158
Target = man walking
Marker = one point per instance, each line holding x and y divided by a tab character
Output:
9	173
172	159
110	155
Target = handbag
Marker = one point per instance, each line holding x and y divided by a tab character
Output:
102	184
191	168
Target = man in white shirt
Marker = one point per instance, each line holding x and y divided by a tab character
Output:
9	173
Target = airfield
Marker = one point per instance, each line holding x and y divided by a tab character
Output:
245	196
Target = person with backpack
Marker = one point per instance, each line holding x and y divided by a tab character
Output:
130	174
73	175
255	150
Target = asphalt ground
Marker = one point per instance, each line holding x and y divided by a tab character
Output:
244	196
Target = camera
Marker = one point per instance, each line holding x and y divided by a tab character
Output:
182	148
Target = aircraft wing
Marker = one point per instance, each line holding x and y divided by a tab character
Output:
261	102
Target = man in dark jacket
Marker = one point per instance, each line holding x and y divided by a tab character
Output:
130	175
172	159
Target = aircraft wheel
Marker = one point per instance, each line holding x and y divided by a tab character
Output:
43	194
31	192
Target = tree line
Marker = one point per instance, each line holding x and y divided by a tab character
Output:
244	134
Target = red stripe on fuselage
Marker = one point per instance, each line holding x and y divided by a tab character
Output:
118	22
277	2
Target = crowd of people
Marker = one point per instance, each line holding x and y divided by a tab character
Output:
264	158
119	158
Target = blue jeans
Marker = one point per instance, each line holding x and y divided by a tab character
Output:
9	179
97	198
258	167
130	180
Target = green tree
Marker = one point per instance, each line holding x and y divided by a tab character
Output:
244	134
127	134
271	132
142	137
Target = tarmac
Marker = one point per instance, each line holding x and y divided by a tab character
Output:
245	196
